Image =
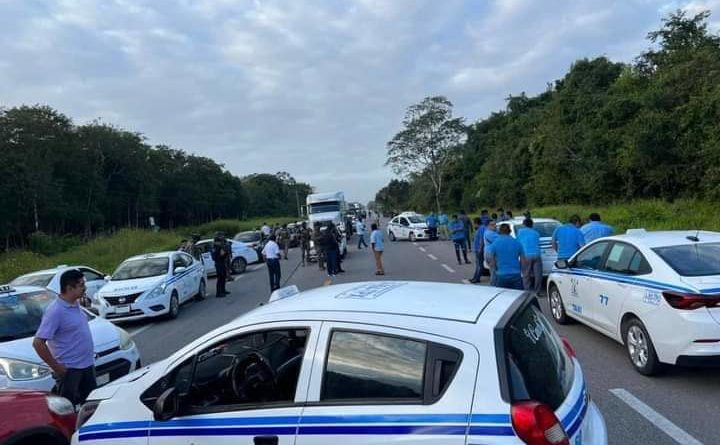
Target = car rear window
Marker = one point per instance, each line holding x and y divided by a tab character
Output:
692	260
33	280
537	365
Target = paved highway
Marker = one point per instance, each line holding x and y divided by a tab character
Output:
681	406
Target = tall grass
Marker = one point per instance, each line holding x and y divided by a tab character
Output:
105	253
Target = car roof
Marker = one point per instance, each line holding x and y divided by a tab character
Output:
166	254
54	270
520	219
18	290
446	301
662	238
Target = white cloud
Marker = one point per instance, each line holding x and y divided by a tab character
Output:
315	88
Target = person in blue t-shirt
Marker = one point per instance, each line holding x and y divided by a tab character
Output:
458	235
484	218
596	229
505	254
443	222
568	239
489	236
432	224
479	250
532	266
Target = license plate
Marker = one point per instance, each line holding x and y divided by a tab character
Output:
102	379
122	310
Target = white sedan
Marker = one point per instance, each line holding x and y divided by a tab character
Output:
242	255
545	227
407	226
658	293
152	285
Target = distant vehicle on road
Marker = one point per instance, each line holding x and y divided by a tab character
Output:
35	418
252	238
407	226
375	362
658	293
323	208
242	255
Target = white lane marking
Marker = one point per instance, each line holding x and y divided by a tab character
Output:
432	257
465	281
422	249
448	268
654	417
414	243
139	330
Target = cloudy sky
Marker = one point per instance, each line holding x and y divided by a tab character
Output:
315	88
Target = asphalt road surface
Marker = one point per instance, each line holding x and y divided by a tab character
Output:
681	406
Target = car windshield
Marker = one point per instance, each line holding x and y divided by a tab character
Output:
692	260
415	220
20	315
322	207
40	280
545	229
146	267
247	237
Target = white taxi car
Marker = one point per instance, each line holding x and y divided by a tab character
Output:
21	310
656	292
407	226
152	285
50	278
545	227
242	255
360	363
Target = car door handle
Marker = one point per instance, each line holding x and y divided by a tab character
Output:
265	440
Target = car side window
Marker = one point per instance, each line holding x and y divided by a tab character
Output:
186	259
178	262
404	222
248	370
394	221
90	275
591	257
625	259
179	378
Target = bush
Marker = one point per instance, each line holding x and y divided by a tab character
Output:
42	243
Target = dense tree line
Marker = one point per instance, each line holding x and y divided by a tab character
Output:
60	178
605	132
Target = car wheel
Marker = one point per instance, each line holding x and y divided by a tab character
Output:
392	237
174	306
238	265
640	349
411	237
202	291
557	308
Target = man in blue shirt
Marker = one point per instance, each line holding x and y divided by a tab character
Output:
443	222
489	236
596	229
458	235
479	251
432	224
484	218
505	254
532	270
568	239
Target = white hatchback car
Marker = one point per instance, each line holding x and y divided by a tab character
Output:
656	292
21	310
360	363
242	255
50	278
152	285
545	227
409	227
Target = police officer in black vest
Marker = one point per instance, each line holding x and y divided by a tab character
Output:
220	255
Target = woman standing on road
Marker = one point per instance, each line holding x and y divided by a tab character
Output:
377	243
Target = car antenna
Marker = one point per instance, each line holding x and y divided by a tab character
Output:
694	238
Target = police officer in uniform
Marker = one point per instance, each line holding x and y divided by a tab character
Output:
220	255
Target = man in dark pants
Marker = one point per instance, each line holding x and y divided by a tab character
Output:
64	342
271	253
220	257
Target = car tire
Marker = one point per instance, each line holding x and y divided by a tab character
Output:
640	348
202	291
174	308
557	307
411	237
392	236
238	265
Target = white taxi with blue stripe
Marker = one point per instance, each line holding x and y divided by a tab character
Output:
545	228
658	293
360	363
151	285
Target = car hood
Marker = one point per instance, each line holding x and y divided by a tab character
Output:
419	225
104	336
125	287
150	373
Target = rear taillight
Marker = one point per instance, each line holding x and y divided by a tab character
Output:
568	347
687	301
536	424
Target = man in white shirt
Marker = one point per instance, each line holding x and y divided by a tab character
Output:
265	230
271	253
360	230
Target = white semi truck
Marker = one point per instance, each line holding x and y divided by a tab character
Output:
328	207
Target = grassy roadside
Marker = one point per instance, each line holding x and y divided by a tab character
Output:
106	252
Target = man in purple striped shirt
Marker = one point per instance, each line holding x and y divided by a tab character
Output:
64	342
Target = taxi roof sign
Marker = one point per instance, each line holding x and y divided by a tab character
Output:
284	292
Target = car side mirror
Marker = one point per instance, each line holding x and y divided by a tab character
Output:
561	264
107	278
166	406
179	270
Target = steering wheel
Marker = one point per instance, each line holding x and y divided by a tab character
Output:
253	378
